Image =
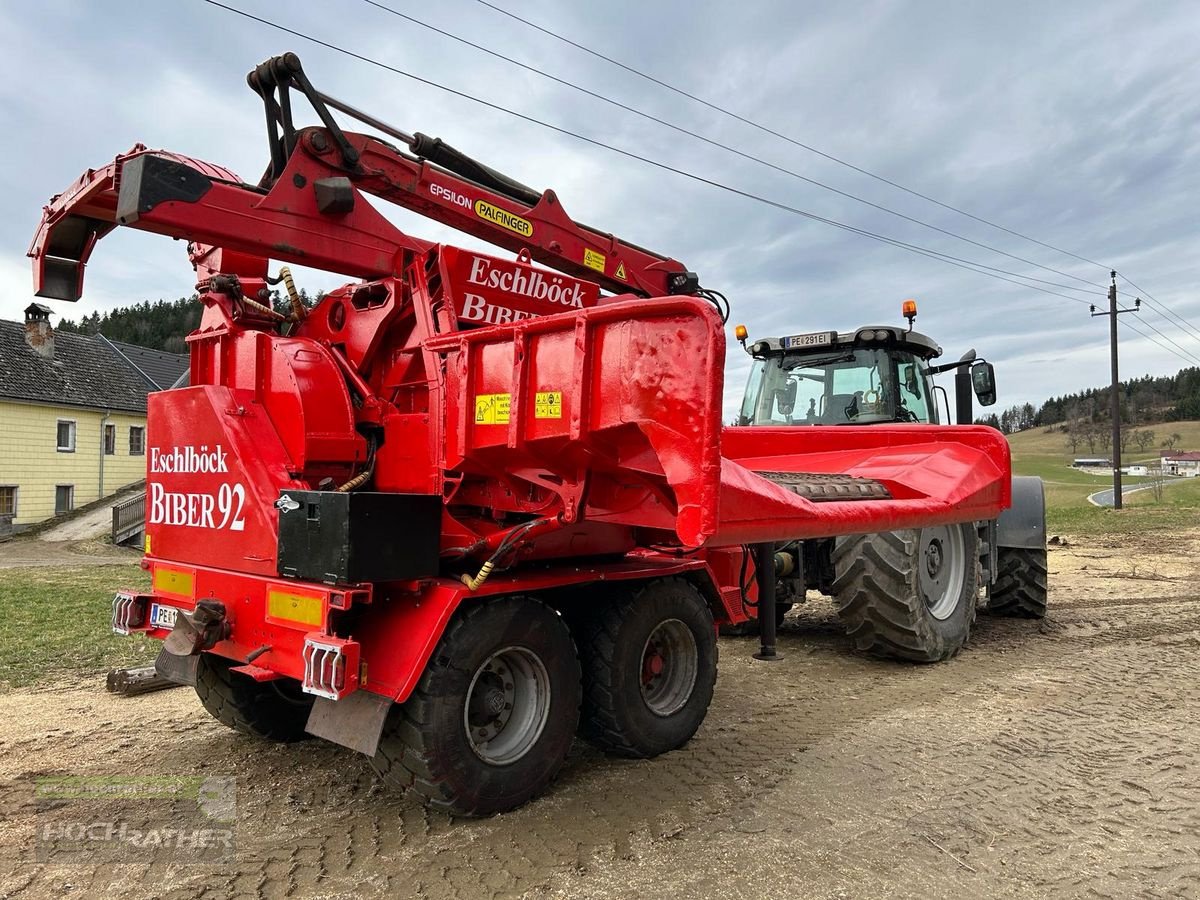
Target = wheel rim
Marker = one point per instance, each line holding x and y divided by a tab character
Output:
507	705
941	566
670	663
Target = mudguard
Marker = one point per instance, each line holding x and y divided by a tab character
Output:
1023	525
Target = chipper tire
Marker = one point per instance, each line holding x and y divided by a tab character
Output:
649	666
1020	588
489	724
909	594
272	710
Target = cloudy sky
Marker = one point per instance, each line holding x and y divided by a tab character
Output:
1075	123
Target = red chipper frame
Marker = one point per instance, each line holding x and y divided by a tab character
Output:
335	484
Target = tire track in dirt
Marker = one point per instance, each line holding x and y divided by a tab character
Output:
1050	758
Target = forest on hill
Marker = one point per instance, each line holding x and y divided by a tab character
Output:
1086	420
161	325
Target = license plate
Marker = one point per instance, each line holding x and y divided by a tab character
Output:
162	616
817	339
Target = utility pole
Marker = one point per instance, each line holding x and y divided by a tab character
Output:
1113	312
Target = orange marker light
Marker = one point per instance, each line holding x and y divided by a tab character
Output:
740	332
909	308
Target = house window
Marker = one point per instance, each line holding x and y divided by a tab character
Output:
66	435
64	499
110	440
8	500
137	440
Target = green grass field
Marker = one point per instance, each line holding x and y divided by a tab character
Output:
55	622
1045	453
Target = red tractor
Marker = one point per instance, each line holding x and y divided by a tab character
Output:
466	506
909	594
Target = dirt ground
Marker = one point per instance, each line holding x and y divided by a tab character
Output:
1059	759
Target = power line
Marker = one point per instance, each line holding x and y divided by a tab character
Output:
1150	298
1157	343
1188	353
1161	312
767	130
736	152
795	142
972	265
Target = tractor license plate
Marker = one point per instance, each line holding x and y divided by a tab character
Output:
162	616
817	339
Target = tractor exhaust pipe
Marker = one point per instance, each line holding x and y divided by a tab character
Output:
964	398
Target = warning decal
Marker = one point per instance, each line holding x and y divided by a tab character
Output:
620	273
548	405
492	409
594	260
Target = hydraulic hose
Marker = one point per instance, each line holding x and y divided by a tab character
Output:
299	310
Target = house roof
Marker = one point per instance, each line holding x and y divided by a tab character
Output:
159	368
1183	455
85	371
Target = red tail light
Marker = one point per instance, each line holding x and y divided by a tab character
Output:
330	666
129	612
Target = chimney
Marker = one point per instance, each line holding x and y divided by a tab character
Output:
38	333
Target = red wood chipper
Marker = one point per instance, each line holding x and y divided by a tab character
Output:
465	506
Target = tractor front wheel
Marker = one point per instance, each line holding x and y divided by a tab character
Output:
649	666
272	710
908	594
489	725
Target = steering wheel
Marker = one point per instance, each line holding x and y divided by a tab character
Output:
871	397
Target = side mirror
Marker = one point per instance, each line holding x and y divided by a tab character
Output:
983	381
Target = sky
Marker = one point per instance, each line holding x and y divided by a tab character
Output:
1073	123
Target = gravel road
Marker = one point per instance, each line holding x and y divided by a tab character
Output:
1053	759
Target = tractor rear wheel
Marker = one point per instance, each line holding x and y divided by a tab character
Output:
908	594
272	710
1020	587
489	724
649	666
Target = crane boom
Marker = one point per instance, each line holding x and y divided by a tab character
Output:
316	172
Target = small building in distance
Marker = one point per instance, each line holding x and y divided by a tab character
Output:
72	416
1181	462
1092	463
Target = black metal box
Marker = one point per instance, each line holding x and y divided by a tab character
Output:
358	536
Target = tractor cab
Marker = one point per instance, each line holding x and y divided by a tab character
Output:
876	374
879	373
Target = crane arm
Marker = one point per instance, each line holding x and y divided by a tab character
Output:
307	207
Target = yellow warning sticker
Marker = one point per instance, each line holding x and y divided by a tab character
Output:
147	545
620	273
594	260
492	409
547	405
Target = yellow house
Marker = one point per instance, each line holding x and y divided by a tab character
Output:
72	416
